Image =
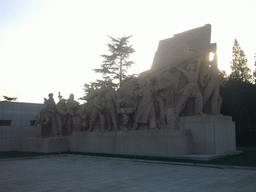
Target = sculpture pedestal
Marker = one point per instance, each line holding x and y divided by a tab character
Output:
198	137
211	134
47	145
164	143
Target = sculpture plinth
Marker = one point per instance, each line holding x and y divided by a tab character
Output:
143	143
47	145
212	135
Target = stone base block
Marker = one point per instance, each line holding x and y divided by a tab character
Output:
211	134
164	143
48	145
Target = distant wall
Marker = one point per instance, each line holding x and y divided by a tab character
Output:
16	124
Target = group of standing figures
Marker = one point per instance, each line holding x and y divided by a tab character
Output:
56	120
144	103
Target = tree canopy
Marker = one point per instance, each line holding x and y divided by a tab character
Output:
115	65
254	72
239	66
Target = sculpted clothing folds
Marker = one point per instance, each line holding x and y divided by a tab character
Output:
72	107
49	106
145	112
111	109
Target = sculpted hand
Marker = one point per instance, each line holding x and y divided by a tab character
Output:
200	59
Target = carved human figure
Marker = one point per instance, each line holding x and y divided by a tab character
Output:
165	98
127	106
50	109
72	107
191	90
83	114
161	100
145	113
98	110
61	115
110	109
89	98
41	121
210	79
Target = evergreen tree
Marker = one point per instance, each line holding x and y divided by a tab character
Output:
223	76
254	72
115	65
239	101
239	67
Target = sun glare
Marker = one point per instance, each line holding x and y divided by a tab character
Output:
57	48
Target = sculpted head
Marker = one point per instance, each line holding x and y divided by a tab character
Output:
63	101
71	96
135	83
191	67
50	95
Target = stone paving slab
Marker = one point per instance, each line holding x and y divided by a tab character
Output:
102	174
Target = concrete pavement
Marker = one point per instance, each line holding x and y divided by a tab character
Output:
87	173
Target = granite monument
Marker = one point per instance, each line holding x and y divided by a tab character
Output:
171	109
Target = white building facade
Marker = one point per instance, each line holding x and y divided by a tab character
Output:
17	123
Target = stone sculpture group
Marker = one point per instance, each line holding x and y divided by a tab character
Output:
148	102
56	120
171	109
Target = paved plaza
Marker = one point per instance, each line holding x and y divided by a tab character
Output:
101	174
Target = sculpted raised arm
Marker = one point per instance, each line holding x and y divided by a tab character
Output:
199	63
182	70
202	78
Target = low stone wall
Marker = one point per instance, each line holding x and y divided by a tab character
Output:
149	142
20	118
48	145
211	134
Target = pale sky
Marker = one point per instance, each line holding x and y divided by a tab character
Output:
51	46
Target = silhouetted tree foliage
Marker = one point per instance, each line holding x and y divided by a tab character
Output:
129	77
254	72
96	85
239	101
239	66
115	65
9	99
223	76
239	98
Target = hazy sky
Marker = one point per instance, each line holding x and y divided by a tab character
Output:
51	46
